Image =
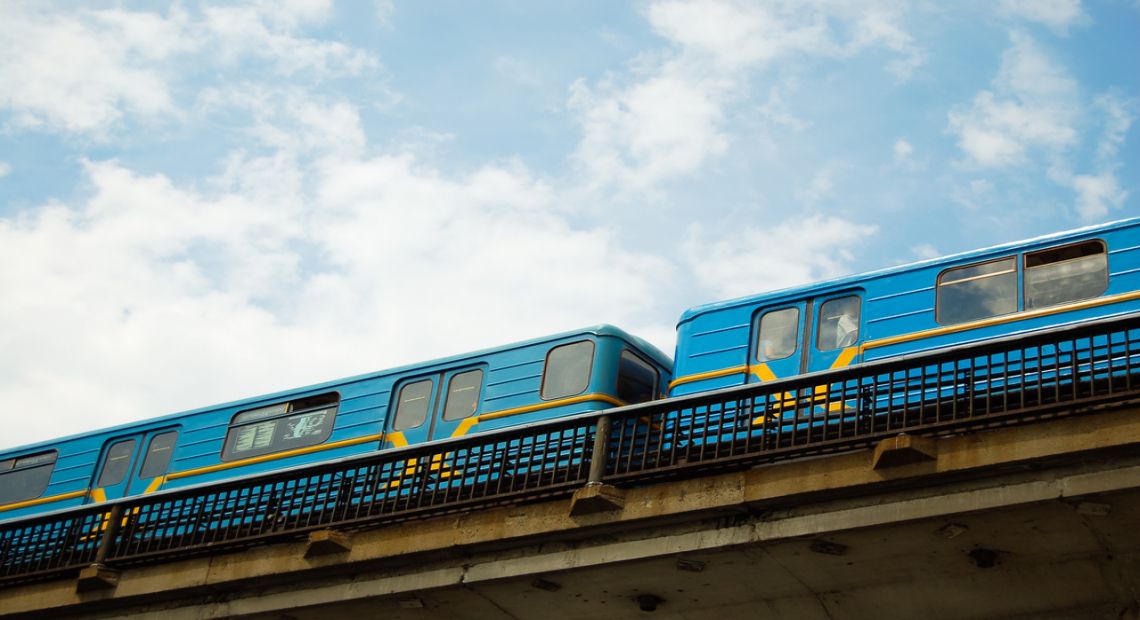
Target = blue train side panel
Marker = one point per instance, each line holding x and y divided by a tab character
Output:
719	345
498	387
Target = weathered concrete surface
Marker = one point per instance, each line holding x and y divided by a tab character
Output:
1039	521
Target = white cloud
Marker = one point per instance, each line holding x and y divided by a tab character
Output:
85	71
903	150
292	120
1056	14
1097	195
820	188
924	251
1034	104
82	71
755	259
280	274
666	118
5	169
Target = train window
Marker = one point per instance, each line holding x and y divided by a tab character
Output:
1067	273
977	291
412	405
838	323
25	477
567	370
462	395
283	426
636	379
776	339
158	454
117	463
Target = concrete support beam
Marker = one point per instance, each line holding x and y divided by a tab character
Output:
596	497
327	542
95	578
904	450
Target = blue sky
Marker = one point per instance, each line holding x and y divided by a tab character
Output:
202	201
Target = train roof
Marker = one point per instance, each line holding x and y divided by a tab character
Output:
854	279
596	330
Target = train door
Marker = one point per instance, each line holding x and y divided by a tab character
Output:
133	464
834	339
779	342
435	406
806	336
410	422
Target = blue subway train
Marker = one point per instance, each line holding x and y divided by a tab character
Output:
560	375
1015	288
1064	278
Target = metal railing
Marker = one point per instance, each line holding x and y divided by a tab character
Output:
1061	371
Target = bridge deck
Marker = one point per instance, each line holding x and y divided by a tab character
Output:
1034	520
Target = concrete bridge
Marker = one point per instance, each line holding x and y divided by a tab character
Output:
1040	520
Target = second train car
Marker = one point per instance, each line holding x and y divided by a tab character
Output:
1008	289
560	375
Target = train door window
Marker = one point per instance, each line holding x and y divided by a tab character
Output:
158	454
462	395
636	379
25	477
567	370
1067	273
977	291
776	338
838	323
412	405
283	426
117	463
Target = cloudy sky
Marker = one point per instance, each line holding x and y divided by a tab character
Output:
212	200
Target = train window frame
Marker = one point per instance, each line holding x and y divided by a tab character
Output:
399	403
447	400
547	372
305	406
1032	271
113	471
940	285
627	353
761	356
20	466
150	469
851	337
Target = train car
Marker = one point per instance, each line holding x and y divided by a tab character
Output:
1014	288
560	375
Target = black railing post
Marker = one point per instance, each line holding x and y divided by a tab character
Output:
601	448
109	534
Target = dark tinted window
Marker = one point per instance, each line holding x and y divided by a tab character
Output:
412	405
25	477
158	454
117	463
462	395
567	370
282	426
838	323
1069	273
977	291
636	379
778	333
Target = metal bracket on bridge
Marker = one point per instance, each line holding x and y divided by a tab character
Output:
97	577
904	449
327	542
596	497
